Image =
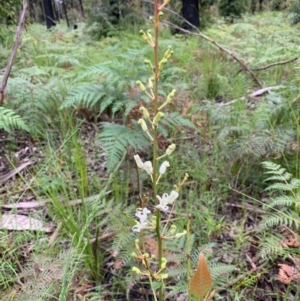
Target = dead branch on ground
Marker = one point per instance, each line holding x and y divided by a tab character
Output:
271	65
200	34
275	64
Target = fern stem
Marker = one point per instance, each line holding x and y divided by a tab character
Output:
155	106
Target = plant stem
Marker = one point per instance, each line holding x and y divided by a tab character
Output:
188	254
155	106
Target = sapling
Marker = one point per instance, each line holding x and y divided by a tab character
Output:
154	267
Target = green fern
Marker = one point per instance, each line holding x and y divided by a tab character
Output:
179	271
280	218
283	209
271	247
9	120
288	201
116	139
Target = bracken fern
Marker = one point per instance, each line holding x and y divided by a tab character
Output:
283	209
9	120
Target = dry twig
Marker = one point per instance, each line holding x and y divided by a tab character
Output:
274	64
200	34
20	28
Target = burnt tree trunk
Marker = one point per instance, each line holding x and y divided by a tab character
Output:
190	12
48	12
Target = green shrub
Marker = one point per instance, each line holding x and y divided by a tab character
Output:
295	12
233	8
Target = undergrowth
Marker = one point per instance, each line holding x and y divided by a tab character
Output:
78	99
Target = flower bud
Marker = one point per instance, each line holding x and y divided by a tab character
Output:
168	51
133	254
149	34
136	270
150	83
158	117
164	276
170	149
145	112
160	15
173	229
171	96
138	161
161	63
137	244
142	33
173	196
143	124
163	263
180	234
141	85
163	167
148	62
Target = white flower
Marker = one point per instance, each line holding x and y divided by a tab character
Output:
139	226
142	215
138	161
163	167
166	200
148	167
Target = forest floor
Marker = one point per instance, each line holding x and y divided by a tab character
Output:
59	242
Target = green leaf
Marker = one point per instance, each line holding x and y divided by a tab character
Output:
155	285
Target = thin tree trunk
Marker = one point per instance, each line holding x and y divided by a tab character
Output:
81	8
6	74
66	13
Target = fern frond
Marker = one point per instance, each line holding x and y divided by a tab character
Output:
284	201
220	269
179	288
271	246
9	120
279	187
173	121
117	138
178	270
286	218
87	95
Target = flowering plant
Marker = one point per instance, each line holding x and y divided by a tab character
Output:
154	266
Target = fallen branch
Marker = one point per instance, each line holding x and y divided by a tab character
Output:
200	34
274	64
6	74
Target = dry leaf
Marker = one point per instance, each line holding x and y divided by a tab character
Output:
287	274
14	172
201	282
209	298
26	205
36	204
292	241
22	222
